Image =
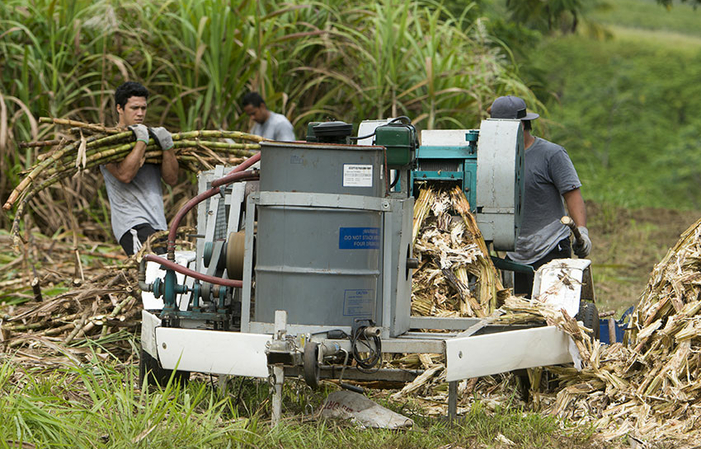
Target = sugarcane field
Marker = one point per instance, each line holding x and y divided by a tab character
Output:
438	225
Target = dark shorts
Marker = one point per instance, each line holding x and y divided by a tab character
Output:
133	239
523	282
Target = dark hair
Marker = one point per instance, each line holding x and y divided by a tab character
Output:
527	125
252	98
128	90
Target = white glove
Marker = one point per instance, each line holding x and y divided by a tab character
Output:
140	132
162	137
582	247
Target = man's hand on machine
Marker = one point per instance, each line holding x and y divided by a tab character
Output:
582	245
162	137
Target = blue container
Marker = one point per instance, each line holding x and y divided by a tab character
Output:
621	326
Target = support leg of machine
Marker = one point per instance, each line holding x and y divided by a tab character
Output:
221	380
278	370
452	401
278	378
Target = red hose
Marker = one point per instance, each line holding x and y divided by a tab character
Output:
188	272
228	179
247	163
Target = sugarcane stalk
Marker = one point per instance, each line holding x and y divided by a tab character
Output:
23	204
78	326
214	144
118	308
40	143
216	134
232	160
27	180
74	123
421	209
101	155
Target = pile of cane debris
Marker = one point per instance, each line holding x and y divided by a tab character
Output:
647	389
651	386
76	301
456	276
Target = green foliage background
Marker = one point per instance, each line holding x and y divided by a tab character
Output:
618	91
350	60
627	108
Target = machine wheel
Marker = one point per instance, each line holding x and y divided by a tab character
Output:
589	315
312	370
155	375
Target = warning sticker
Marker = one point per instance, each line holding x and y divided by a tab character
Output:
359	238
358	302
355	175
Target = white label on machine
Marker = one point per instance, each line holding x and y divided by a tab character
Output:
357	175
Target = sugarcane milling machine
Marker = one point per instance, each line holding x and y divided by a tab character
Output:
303	262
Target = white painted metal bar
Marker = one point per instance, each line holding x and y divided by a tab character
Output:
386	274
216	352
149	323
236	199
484	355
248	264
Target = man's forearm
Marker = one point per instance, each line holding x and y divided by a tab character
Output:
126	170
169	168
576	207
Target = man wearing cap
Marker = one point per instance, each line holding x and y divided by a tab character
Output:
549	177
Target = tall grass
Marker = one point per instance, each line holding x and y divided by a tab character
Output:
99	404
348	60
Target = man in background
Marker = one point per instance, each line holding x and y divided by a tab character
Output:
549	177
133	186
268	124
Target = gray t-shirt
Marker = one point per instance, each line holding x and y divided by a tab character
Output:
277	127
137	202
548	174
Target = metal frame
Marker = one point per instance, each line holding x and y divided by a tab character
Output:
470	350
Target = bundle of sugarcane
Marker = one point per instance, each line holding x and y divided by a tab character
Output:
448	242
195	151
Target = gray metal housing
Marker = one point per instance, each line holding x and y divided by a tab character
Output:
500	164
330	246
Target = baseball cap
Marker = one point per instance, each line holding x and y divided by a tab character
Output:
511	107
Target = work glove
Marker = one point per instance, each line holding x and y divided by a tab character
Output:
582	247
140	132
162	137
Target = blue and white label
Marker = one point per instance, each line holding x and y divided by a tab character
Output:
359	238
358	302
357	175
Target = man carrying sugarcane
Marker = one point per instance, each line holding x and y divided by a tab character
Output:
133	186
268	124
549	177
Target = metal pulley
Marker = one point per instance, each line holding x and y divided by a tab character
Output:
235	248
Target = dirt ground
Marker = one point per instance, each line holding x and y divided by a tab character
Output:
627	243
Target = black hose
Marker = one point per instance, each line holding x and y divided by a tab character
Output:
363	137
365	364
403	118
